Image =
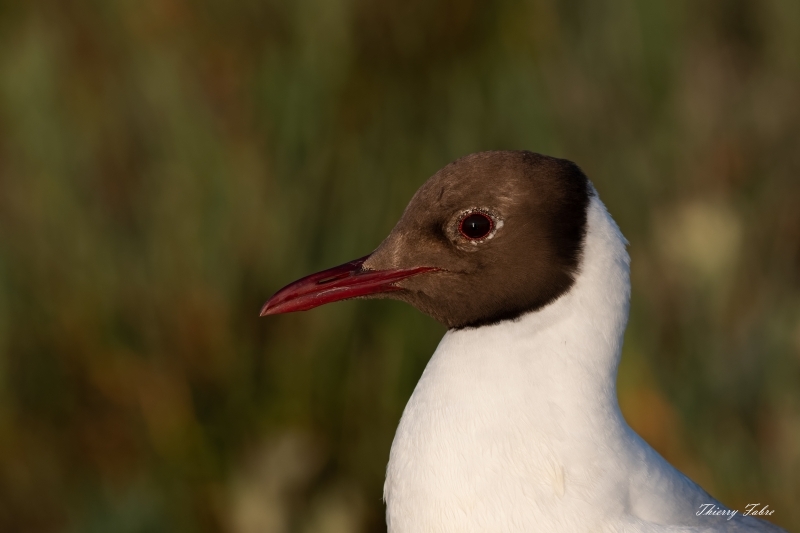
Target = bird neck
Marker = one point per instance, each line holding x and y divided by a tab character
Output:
567	353
522	408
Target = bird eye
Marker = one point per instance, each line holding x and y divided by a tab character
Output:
476	226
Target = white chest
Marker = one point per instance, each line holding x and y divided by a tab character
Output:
486	443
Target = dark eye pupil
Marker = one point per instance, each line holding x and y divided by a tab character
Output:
476	226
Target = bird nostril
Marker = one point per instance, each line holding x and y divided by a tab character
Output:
333	278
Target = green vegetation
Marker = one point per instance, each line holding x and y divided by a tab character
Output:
166	165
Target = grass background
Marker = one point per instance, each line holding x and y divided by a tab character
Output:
165	165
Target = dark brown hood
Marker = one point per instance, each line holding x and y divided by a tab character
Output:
538	210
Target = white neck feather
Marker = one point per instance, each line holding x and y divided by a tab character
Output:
516	426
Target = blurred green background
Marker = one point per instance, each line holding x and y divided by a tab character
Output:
166	165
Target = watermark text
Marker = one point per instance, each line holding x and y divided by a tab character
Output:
751	509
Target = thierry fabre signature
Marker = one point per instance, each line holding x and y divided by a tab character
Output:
752	509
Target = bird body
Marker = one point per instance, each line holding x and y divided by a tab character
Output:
514	426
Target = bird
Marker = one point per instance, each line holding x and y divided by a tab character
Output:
514	425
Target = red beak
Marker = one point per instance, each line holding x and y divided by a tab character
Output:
349	280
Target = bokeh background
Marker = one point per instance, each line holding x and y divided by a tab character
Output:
166	165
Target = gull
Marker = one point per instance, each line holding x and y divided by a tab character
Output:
515	425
